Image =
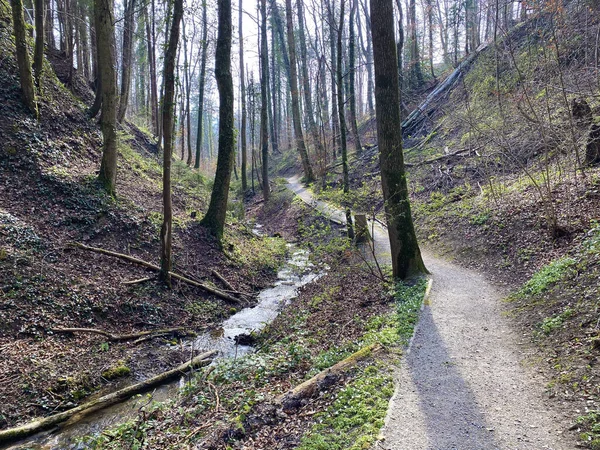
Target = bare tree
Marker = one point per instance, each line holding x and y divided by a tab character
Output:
105	44
214	219
23	62
406	256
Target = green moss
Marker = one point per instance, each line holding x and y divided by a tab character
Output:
118	371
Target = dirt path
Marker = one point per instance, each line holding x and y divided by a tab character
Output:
462	384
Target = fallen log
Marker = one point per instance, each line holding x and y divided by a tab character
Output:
442	157
291	399
418	115
151	266
73	415
118	337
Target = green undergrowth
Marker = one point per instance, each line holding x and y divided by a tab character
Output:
351	421
561	305
590	422
357	413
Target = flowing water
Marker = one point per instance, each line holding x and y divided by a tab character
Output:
296	272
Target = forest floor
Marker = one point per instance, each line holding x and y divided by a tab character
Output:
464	383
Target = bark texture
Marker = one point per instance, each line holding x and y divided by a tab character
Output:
167	117
105	44
217	210
23	61
406	255
298	134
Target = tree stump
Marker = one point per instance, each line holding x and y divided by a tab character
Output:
361	228
592	149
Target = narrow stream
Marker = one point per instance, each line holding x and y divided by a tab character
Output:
296	272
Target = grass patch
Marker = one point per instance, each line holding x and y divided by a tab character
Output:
547	277
355	417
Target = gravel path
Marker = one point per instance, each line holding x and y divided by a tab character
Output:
462	384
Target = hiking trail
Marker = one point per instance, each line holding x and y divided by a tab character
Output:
462	383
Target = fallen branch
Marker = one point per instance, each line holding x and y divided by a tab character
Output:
307	389
440	158
138	281
151	266
73	415
118	337
223	280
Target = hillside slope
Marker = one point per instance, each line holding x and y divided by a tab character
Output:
49	198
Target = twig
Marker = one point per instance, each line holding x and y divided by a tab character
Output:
141	280
119	337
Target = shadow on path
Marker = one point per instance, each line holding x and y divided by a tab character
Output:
450	412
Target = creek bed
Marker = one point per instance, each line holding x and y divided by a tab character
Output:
296	272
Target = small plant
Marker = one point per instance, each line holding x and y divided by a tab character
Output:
546	277
591	424
550	324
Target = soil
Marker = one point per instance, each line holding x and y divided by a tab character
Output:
49	197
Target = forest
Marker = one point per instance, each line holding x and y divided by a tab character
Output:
315	225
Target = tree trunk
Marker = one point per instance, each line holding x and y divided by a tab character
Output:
105	43
243	102
352	77
152	68
264	74
415	60
49	24
167	118
128	35
406	256
300	144
308	102
334	98
275	94
38	57
201	83
217	210
368	52
25	77
340	94
186	74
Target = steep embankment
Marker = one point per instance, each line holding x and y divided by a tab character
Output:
49	197
502	180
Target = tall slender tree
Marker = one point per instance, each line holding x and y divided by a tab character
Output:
217	209
201	83
299	135
168	106
23	61
308	101
352	76
38	56
406	255
127	55
243	102
342	115
105	44
264	74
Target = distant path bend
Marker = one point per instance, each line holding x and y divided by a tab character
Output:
462	384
